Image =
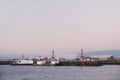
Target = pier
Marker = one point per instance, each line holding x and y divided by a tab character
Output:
5	62
111	62
81	63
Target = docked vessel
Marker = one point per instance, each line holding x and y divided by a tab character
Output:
40	61
53	60
22	61
44	61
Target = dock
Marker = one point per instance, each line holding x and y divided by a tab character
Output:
5	62
81	63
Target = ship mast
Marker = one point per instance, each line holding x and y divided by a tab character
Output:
52	53
22	56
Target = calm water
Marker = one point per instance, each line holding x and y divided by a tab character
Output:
107	72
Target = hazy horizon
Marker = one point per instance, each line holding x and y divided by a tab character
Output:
76	54
36	26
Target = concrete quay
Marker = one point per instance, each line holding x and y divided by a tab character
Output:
81	63
5	62
75	63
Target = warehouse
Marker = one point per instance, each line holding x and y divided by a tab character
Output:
102	57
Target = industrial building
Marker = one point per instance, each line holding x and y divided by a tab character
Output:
102	57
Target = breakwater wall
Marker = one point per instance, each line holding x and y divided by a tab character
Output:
111	62
81	63
5	62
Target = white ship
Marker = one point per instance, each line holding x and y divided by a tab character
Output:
22	61
53	60
41	61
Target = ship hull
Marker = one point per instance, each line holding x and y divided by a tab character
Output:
22	62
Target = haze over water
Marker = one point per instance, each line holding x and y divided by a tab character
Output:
37	26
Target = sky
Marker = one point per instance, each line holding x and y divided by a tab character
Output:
40	26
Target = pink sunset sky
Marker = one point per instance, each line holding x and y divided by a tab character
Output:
40	26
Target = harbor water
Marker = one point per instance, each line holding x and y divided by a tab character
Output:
106	72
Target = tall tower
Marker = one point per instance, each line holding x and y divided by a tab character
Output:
81	52
22	55
52	53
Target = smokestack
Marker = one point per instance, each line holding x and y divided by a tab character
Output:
22	55
52	53
81	52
